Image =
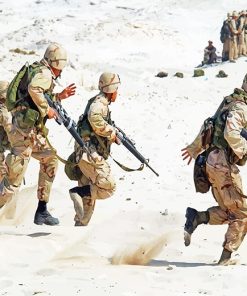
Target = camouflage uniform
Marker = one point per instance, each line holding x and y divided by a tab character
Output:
224	176
225	36
245	31
241	38
96	170
27	141
233	44
97	131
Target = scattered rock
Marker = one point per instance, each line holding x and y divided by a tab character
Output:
169	267
221	74
21	51
164	213
128	198
179	75
198	73
162	74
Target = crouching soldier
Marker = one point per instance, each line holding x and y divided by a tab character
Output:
227	150
5	126
30	110
96	130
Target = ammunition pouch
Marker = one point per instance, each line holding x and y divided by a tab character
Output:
207	133
201	181
71	168
26	118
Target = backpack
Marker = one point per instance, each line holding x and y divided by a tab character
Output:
17	87
213	134
12	92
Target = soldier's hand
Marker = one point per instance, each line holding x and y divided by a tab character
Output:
52	113
186	155
67	92
113	136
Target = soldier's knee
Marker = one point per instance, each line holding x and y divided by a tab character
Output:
16	168
107	183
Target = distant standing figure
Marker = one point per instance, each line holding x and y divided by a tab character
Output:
225	35
209	54
241	39
233	45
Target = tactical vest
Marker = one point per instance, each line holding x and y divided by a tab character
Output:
102	144
229	104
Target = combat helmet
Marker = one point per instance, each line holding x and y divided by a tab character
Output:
56	56
3	89
235	13
109	82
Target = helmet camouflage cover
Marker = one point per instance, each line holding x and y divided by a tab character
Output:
56	56
109	82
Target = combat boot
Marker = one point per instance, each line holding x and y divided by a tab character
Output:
193	219
42	216
83	204
45	217
225	258
78	206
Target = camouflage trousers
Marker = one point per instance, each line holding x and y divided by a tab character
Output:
233	48
96	173
225	51
3	170
24	145
227	191
241	44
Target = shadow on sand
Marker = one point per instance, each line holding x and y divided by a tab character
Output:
157	263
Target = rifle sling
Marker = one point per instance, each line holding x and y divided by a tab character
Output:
123	167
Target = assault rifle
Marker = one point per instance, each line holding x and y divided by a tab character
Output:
132	149
63	118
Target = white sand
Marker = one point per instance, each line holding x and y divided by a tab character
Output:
143	222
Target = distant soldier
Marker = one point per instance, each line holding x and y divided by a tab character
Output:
97	131
245	30
241	37
209	54
225	35
28	133
233	45
5	125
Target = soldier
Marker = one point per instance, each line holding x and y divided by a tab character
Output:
227	150
225	35
233	45
95	128
28	133
241	37
209	54
245	30
5	125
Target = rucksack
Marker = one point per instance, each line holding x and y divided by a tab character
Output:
17	88
12	92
